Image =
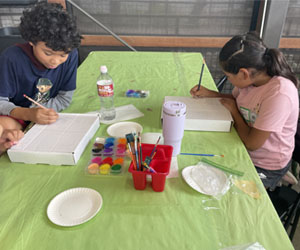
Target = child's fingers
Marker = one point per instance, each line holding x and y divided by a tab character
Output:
52	116
45	116
8	144
202	92
10	137
13	135
193	90
229	104
19	134
51	112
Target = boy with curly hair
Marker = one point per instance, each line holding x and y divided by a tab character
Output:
44	66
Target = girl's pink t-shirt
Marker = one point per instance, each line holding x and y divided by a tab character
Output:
272	107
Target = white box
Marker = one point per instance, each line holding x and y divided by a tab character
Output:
60	143
204	114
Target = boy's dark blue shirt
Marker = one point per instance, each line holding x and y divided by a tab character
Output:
18	76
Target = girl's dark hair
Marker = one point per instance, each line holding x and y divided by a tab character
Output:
249	51
50	23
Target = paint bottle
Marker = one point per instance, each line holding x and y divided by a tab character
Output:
105	86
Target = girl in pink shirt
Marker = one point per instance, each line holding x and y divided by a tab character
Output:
264	103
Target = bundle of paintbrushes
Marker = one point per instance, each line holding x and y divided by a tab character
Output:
134	143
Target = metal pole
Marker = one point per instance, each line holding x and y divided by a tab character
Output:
101	25
263	19
274	21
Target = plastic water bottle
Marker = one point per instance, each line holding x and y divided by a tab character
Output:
105	86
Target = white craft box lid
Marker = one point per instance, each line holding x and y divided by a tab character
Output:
60	143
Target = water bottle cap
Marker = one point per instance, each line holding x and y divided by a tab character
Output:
174	108
103	69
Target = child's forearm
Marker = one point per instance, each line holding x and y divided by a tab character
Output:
37	115
241	127
213	93
21	113
205	92
225	95
252	138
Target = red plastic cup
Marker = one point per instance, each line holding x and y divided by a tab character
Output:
158	182
162	168
139	179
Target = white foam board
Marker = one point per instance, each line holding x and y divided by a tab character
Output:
59	143
204	114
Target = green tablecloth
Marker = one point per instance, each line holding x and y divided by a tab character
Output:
177	218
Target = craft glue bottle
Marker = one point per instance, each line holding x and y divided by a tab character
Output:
105	86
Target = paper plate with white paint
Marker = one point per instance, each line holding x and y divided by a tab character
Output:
206	179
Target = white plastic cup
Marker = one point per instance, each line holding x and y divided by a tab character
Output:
173	124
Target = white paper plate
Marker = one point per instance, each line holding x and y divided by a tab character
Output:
120	129
206	179
74	206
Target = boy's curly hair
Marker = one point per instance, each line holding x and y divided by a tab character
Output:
50	23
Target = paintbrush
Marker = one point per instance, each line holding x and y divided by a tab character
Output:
148	167
130	141
131	156
140	150
202	154
155	146
136	152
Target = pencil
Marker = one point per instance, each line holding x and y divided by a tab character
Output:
36	103
199	84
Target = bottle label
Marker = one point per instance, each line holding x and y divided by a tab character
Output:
106	90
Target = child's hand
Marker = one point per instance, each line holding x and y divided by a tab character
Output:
203	92
43	116
230	104
10	137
